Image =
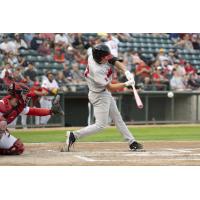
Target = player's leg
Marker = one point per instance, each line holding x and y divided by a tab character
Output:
24	120
101	107
9	145
117	119
37	120
45	104
101	104
121	126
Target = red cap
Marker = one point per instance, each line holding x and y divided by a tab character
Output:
36	83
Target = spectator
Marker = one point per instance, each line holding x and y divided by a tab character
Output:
142	72
35	42
136	58
161	56
13	60
180	69
8	46
81	57
123	37
59	53
78	77
174	36
22	61
44	48
195	42
128	60
62	81
112	43
19	42
6	69
159	80
17	75
171	57
30	74
185	42
47	36
28	38
69	55
76	40
189	69
177	82
61	39
193	81
67	73
4	45
167	69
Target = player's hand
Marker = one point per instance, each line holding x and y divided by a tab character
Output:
130	82
129	75
44	92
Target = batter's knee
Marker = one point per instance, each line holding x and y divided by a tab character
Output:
16	149
101	125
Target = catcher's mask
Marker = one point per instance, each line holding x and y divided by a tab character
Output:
18	89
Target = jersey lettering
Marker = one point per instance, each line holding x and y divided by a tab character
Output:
109	73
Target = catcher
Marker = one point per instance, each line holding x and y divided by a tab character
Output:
11	106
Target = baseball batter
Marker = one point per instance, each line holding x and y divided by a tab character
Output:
98	75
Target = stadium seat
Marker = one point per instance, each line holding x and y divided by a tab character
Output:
31	58
23	52
40	58
33	52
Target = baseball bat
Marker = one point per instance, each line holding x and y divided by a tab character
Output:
137	98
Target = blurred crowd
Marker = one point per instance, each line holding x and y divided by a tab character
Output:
166	70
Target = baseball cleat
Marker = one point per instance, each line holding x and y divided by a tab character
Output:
70	139
135	146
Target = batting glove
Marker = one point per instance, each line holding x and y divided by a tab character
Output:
130	82
129	75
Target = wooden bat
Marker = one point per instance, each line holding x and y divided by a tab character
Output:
137	98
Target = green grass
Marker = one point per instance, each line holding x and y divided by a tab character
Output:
111	134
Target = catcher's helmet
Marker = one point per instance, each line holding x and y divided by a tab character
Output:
99	52
18	89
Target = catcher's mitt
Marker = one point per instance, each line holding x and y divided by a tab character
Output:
56	107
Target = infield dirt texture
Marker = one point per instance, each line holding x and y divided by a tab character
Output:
100	150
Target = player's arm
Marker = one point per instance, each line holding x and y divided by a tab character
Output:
112	87
121	67
41	93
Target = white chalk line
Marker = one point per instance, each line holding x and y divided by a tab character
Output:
85	158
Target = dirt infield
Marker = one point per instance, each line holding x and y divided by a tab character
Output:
108	154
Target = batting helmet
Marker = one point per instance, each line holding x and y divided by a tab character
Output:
100	51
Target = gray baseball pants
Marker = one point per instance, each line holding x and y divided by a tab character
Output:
105	106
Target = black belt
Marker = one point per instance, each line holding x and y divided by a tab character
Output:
99	91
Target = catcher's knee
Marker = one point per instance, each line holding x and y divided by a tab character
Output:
16	149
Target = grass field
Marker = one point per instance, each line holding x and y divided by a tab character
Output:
190	133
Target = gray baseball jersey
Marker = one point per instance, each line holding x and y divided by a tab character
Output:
98	76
